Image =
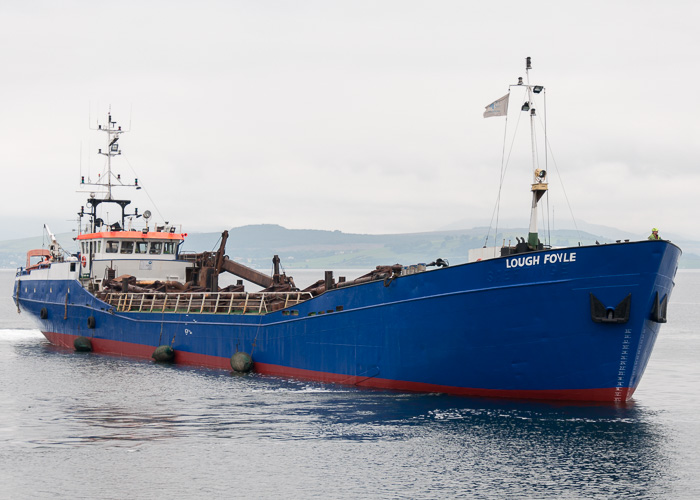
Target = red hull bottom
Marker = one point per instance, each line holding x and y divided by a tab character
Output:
114	347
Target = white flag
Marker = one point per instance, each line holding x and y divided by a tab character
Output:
497	108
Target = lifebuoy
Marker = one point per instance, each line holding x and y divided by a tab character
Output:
84	259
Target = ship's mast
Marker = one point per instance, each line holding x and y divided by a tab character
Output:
113	132
112	148
539	176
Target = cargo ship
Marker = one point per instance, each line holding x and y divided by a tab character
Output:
516	321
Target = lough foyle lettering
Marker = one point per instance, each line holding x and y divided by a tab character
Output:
536	260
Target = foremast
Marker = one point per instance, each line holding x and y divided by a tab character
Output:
539	176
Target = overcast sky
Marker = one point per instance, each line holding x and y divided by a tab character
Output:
357	116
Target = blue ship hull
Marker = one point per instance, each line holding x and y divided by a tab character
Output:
521	326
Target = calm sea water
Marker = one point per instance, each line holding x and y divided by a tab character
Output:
76	425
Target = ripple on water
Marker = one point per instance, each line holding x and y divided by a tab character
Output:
76	410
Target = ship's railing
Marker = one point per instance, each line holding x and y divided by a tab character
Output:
207	302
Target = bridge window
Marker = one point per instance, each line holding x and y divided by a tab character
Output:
112	246
168	248
127	247
156	248
141	246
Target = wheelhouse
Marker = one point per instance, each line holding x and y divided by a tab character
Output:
131	245
145	255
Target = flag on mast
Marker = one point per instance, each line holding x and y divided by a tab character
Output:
498	107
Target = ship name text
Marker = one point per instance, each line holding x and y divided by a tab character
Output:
536	260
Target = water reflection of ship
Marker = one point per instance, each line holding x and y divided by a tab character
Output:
592	450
